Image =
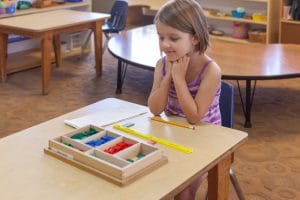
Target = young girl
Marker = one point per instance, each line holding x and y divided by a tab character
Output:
186	81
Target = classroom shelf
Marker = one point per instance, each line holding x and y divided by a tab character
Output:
29	59
270	8
263	1
229	18
289	30
54	7
229	39
289	21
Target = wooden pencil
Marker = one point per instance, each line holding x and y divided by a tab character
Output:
159	119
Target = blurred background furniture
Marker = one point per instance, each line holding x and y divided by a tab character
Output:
289	27
136	16
49	32
24	53
115	24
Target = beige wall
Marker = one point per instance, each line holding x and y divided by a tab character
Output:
102	5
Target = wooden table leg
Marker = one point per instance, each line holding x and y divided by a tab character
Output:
98	46
218	180
57	50
46	61
3	56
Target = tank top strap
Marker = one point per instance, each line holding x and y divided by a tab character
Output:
203	68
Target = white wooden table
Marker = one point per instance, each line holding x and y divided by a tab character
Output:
48	26
27	173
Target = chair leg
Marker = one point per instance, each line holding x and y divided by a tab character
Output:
236	185
105	45
85	42
107	37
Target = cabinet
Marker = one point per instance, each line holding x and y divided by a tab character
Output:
219	17
289	30
224	22
27	49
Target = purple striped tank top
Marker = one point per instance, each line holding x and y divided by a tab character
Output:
212	116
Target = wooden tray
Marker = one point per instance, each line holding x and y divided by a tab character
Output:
113	167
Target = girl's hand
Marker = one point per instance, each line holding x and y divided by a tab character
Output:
168	68
179	68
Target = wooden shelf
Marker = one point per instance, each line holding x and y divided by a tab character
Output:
263	1
54	7
229	39
289	21
29	59
289	30
269	7
227	18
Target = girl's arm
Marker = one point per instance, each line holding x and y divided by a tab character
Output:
159	94
195	109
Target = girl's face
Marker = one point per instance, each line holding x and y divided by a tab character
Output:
174	43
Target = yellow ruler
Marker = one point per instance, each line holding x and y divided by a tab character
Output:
152	138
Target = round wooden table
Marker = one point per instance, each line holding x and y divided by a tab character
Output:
242	62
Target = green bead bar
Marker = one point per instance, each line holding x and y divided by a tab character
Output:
80	136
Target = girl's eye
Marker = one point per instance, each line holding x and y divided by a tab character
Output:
174	39
161	38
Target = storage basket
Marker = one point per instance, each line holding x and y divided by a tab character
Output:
259	36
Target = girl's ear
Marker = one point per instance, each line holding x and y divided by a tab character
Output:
195	40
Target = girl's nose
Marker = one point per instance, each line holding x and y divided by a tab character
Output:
165	44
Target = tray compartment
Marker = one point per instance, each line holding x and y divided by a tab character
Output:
100	138
66	144
69	148
84	132
150	155
119	144
105	163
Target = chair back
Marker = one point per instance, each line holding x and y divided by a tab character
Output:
118	16
227	104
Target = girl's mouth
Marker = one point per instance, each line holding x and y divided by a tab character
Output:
170	52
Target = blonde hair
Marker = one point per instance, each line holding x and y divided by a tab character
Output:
186	16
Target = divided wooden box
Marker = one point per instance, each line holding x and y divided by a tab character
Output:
121	167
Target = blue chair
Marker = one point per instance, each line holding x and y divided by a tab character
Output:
227	104
117	20
227	114
115	24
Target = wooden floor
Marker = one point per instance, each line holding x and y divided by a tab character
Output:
268	165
